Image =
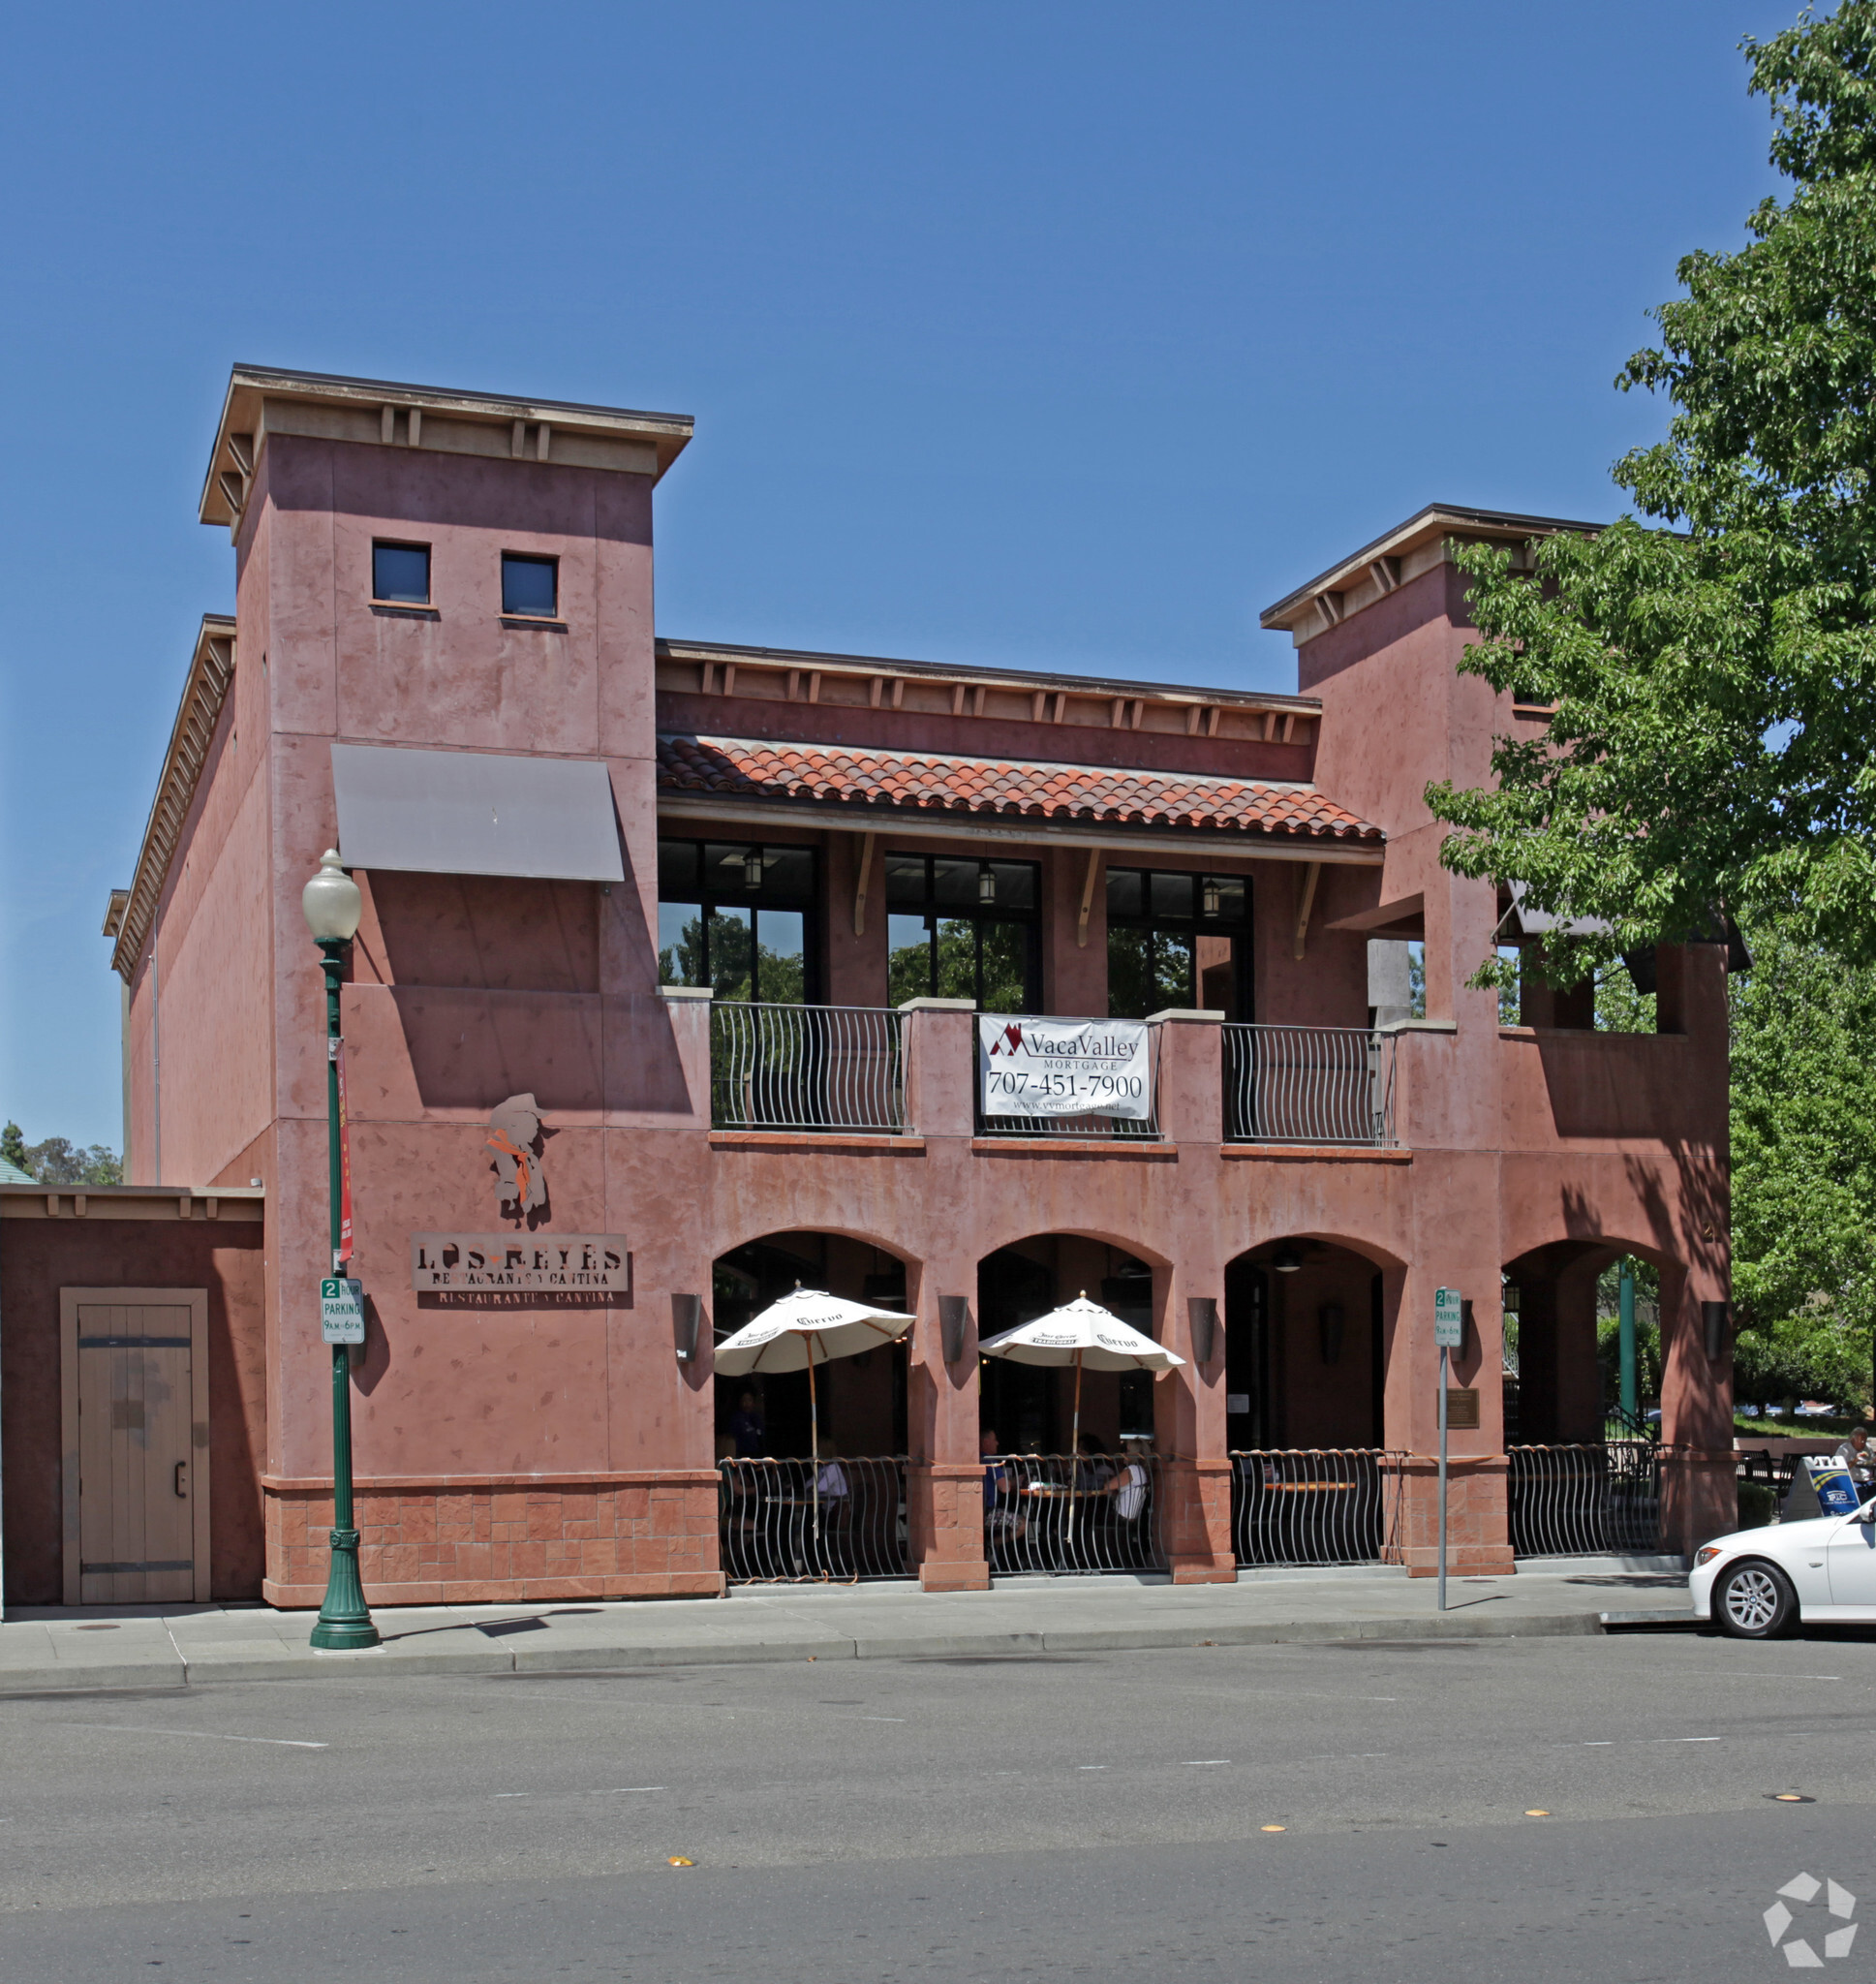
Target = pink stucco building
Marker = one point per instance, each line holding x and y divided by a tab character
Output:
713	921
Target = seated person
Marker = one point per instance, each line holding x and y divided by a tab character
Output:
749	1428
1003	1516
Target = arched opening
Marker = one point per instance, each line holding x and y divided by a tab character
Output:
1306	1357
1028	1406
861	1400
814	1477
1583	1477
1047	1510
1306	1381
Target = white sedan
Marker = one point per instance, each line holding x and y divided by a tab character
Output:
1757	1583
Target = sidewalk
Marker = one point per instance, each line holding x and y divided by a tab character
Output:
153	1646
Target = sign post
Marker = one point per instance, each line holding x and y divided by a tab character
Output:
1449	1331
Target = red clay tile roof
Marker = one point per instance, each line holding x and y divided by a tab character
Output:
747	768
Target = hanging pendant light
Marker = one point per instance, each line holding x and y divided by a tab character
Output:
1212	896
1286	1259
753	869
986	885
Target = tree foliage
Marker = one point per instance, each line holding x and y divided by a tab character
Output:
1715	677
1803	1169
60	1161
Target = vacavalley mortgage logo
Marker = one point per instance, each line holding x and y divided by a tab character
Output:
569	1263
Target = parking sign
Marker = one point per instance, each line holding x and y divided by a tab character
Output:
1449	1319
342	1311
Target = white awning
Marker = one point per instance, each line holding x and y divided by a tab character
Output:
473	813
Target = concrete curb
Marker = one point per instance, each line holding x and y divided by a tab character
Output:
291	1664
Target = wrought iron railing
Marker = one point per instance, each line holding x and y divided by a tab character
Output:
1093	1124
1056	1515
1309	1085
1319	1504
1585	1501
805	1067
790	1522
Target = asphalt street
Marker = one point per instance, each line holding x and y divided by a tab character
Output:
1458	1810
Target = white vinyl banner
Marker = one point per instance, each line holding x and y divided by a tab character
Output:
1063	1067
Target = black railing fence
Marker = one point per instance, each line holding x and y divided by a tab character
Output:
1322	1505
790	1522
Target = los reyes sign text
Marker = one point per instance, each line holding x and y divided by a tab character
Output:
524	1270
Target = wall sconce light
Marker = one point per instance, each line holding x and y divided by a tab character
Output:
1329	1329
1286	1259
1201	1313
1211	896
1712	1317
753	869
953	1314
687	1317
986	885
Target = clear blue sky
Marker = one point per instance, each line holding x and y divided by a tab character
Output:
1054	335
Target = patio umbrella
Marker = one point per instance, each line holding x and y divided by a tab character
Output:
1080	1333
804	1328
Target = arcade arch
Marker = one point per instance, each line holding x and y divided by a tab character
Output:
861	1400
1305	1346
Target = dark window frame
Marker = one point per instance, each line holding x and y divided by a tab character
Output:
709	898
378	545
1198	924
551	560
978	914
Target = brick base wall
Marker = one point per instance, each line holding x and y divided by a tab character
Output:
1477	1521
497	1541
1195	1515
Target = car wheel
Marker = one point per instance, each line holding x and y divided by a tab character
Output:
1754	1600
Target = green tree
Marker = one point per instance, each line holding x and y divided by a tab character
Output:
60	1161
1803	1169
1715	681
12	1148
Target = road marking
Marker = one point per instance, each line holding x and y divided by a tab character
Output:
514	1794
1601	1743
1200	1762
202	1735
618	1790
1684	1739
1091	1766
872	1719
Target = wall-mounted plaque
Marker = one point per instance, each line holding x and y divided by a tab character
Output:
1462	1407
520	1264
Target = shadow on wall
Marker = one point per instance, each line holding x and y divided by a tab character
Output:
1613	1085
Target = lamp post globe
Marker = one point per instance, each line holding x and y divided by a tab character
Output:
331	903
333	906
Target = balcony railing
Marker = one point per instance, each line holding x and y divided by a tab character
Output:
1309	1085
806	1067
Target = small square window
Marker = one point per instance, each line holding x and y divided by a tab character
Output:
400	574
530	586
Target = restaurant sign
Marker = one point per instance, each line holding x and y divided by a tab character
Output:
503	1264
1064	1068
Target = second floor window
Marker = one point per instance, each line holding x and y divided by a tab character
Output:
963	929
400	574
1176	941
739	919
530	586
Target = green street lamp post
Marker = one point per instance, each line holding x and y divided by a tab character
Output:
332	907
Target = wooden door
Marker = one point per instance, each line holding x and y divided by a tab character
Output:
137	1446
